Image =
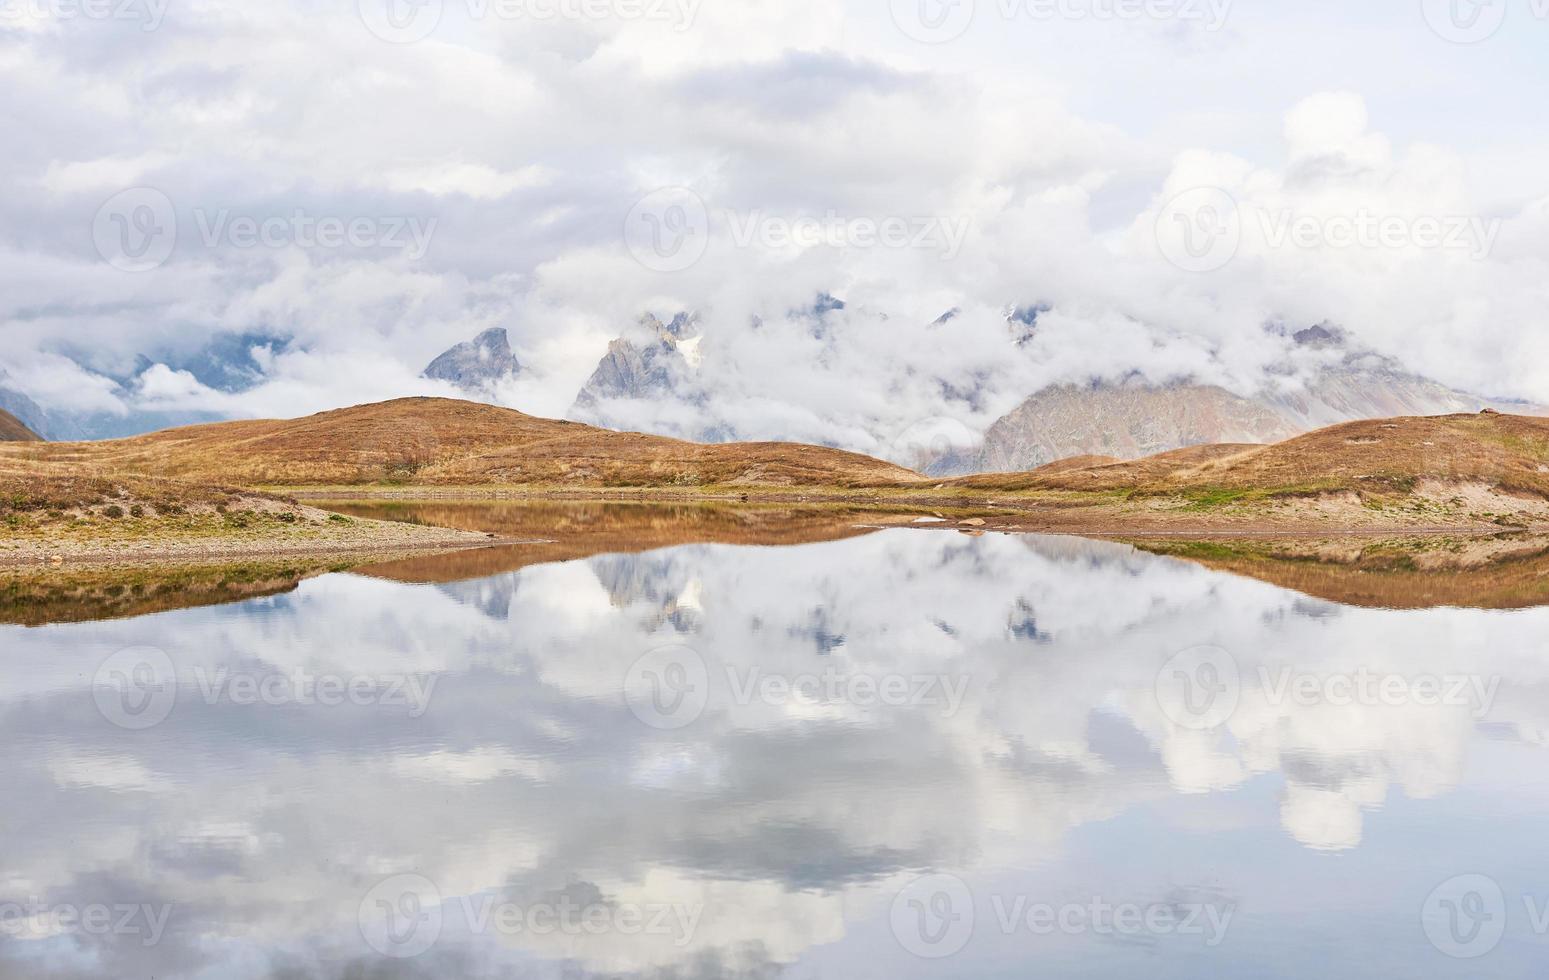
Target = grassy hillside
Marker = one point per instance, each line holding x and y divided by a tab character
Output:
12	429
1386	456
1502	572
53	512
443	442
1458	471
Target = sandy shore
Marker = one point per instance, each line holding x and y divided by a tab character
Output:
311	533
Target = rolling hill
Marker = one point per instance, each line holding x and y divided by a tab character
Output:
12	429
446	442
1133	419
1456	471
1506	452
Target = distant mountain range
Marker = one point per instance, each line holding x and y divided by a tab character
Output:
1337	381
225	363
1327	378
1132	419
23	410
13	430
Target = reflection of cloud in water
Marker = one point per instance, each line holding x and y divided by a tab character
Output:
789	821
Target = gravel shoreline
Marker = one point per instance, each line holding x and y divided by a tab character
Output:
318	537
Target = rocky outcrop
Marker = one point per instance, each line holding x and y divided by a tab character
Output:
1134	419
479	363
653	360
1127	421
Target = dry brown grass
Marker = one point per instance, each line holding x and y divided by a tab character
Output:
1443	472
1504	572
1387	456
443	442
567	530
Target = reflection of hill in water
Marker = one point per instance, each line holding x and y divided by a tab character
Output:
1508	571
36	598
564	531
1502	572
793	821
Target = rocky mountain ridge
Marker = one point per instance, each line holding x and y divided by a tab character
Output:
477	364
1133	418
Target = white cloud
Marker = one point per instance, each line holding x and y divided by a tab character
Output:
528	143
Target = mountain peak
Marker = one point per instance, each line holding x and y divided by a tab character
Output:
477	363
1319	335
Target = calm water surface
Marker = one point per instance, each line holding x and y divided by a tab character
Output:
906	754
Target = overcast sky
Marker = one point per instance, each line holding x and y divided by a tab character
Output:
375	180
